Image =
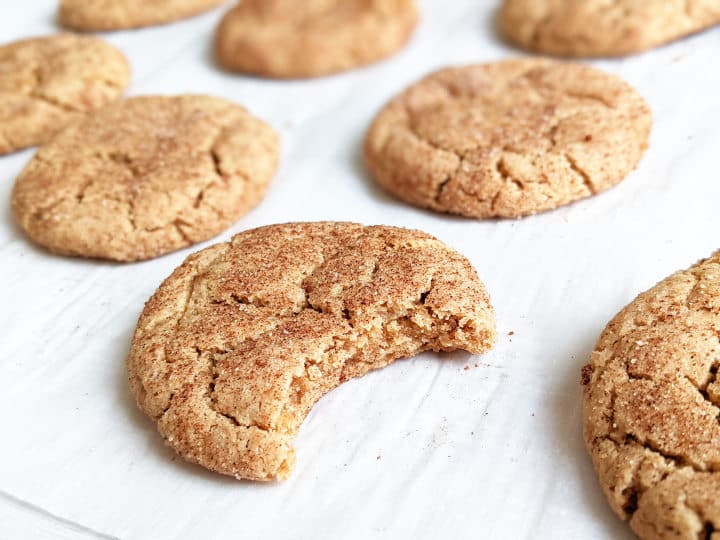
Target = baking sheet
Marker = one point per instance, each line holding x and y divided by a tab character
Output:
422	449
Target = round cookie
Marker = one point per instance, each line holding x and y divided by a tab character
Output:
651	407
291	39
238	344
600	28
47	82
145	177
508	139
98	15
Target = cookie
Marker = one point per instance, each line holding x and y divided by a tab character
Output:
47	82
290	39
237	345
652	404
98	15
507	139
600	28
145	177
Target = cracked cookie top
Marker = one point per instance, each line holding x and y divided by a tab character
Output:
652	407
243	338
601	28
47	82
113	15
145	176
508	139
291	39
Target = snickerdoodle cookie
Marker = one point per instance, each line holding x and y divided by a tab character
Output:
145	177
601	28
290	39
508	139
47	82
652	407
236	346
95	15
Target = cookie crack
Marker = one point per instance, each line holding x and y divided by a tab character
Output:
507	177
595	98
53	102
36	93
647	443
212	361
212	369
219	174
708	529
217	162
585	177
704	391
633	492
440	188
179	225
40	213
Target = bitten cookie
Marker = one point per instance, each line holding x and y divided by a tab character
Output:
599	28
238	344
651	407
47	82
145	177
291	39
508	139
97	15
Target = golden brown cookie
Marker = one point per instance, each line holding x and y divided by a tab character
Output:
652	407
47	82
244	337
92	15
508	139
145	177
587	28
291	39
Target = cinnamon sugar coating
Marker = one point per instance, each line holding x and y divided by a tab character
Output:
652	407
244	337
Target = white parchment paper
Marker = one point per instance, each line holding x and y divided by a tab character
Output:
421	449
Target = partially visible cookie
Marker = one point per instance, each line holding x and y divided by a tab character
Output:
291	39
145	177
238	344
47	82
651	407
508	139
600	28
98	15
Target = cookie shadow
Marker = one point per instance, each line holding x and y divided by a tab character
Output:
566	410
211	58
7	219
371	187
14	230
490	26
